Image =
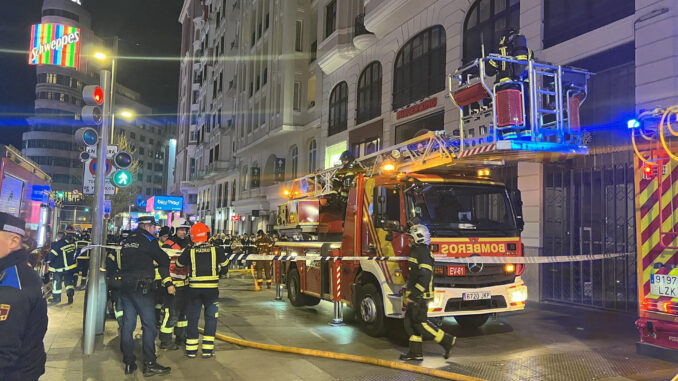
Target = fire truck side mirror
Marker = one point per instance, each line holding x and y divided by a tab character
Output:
520	223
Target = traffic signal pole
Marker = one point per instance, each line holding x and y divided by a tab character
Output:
96	286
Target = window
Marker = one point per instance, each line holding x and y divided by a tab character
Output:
420	67
312	155
485	21
297	96
338	113
216	152
330	18
369	93
298	41
141	150
566	19
151	141
221	82
142	138
294	159
132	135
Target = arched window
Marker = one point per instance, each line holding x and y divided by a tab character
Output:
369	93
294	161
338	116
312	156
420	67
488	18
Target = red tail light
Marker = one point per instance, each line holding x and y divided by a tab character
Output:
520	267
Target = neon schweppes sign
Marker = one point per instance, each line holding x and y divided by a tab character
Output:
55	44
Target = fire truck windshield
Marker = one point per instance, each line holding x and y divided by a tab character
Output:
461	210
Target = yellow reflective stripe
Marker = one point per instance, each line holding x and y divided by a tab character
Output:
203	285
166	280
522	57
494	63
182	324
224	264
413	260
207	346
118	314
419	287
193	267
415	338
214	261
192	341
192	347
208	338
63	252
69	288
216	314
438	334
180	283
425	266
71	267
206	277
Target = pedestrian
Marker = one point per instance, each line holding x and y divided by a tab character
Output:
263	245
203	292
174	306
23	311
138	254
164	234
417	294
62	266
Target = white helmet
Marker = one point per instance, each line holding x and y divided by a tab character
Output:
180	223
420	234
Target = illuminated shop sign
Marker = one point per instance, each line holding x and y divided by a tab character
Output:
167	203
55	44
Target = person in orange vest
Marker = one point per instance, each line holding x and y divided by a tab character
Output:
174	306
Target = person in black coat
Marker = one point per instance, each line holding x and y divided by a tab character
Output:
23	311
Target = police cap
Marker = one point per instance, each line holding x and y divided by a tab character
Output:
12	224
146	220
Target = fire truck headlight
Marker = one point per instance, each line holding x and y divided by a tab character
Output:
518	296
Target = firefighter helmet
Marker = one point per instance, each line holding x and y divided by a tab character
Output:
420	234
508	34
199	232
181	223
347	156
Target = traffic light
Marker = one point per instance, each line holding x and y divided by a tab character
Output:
121	178
93	96
86	136
123	160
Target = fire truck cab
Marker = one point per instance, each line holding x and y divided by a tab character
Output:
443	182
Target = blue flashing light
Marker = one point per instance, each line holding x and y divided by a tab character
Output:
632	123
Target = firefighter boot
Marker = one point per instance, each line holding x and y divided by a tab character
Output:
166	342
415	352
152	368
447	343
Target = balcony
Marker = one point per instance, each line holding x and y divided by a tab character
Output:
383	16
215	168
336	50
362	38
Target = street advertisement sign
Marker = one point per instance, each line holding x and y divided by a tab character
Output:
166	203
55	44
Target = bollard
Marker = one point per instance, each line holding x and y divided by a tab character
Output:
338	314
278	292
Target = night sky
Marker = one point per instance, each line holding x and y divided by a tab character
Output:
147	28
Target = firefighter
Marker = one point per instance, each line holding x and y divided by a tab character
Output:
82	259
343	178
113	268
418	292
203	292
139	253
62	265
263	244
514	45
163	235
174	306
23	311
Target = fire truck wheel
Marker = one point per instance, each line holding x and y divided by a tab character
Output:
370	310
472	321
298	299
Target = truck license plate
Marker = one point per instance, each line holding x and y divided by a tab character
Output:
476	295
456	270
664	285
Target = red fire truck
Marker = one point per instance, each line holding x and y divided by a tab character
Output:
440	181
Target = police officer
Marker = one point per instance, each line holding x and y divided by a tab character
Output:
23	311
204	261
174	306
139	252
62	266
263	244
418	292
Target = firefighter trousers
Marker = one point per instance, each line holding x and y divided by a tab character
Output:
65	277
265	267
199	299
83	269
417	325
174	317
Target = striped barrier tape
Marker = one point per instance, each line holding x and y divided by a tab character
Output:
477	259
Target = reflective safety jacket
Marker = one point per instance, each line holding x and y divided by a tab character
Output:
179	274
506	71
205	261
62	256
264	245
420	273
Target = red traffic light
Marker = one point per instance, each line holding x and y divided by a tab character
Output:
93	95
98	95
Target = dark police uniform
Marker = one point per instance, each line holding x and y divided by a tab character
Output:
174	319
419	289
204	260
23	313
138	253
62	265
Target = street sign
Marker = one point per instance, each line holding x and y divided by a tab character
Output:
235	217
107	209
121	178
89	176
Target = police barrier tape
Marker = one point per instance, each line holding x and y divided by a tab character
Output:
475	259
